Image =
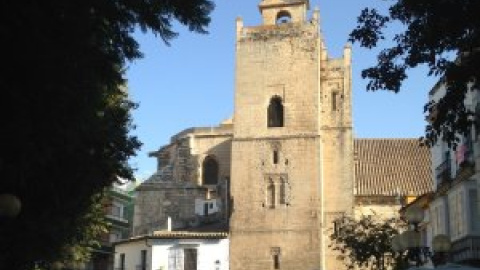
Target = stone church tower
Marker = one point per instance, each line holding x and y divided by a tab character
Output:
292	146
277	174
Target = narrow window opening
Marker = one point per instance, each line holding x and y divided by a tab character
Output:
275	251
334	101
275	157
283	192
275	113
205	209
469	147
190	259
143	260
210	171
271	194
473	200
276	262
477	121
122	261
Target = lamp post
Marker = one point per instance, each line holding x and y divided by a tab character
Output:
10	206
408	243
441	246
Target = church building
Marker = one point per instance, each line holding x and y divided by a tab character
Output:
276	174
292	144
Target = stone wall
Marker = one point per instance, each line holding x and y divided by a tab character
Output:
290	225
337	147
173	189
315	144
280	61
156	202
276	200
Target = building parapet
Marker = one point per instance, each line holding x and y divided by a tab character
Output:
279	31
222	130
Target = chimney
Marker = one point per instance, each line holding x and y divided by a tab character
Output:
169	224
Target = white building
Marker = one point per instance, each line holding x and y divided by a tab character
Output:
454	206
174	250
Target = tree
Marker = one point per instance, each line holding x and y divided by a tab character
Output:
65	112
365	242
444	35
90	227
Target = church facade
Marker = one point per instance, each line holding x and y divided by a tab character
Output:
292	145
276	174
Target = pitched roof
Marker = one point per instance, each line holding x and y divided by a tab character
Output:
390	167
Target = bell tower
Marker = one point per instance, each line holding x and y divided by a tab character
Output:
283	11
292	106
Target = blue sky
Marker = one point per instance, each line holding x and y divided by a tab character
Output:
191	83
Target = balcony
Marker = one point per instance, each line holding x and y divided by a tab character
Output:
464	157
141	267
117	218
467	169
466	249
443	176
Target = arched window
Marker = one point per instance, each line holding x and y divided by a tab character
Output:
283	17
275	112
210	171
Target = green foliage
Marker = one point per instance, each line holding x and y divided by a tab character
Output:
444	35
365	242
78	250
90	227
66	114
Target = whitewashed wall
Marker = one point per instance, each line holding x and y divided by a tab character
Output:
456	214
132	252
159	255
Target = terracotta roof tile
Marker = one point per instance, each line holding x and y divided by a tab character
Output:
175	235
189	234
390	167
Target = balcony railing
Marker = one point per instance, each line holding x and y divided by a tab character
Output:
141	267
466	249
466	162
117	218
443	172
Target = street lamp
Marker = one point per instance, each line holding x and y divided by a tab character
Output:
441	245
10	206
408	243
